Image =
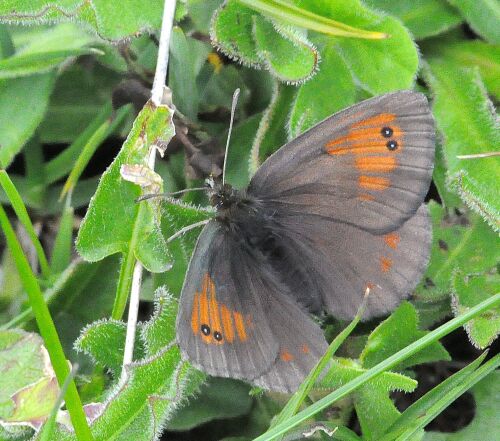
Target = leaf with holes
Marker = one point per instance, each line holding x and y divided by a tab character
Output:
460	241
466	118
135	227
468	291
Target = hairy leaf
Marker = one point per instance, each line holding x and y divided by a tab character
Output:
469	290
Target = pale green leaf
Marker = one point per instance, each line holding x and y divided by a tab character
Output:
424	18
469	290
469	126
483	16
23	100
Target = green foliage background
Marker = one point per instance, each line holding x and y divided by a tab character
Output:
73	77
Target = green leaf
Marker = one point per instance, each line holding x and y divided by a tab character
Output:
219	398
476	53
424	18
485	426
466	118
28	387
379	65
154	385
395	333
109	22
23	100
469	290
135	229
483	16
47	49
272	132
329	91
284	51
459	241
449	198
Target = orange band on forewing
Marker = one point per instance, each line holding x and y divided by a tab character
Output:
373	183
385	264
240	326
392	240
195	315
215	323
204	310
366	197
373	164
227	323
377	120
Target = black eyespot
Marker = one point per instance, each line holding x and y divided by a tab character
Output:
205	329
392	145
386	132
217	335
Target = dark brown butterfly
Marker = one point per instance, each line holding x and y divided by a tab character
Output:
334	211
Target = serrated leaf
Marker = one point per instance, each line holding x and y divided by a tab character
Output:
46	49
459	241
23	100
476	53
395	333
109	22
424	18
219	398
136	225
486	425
284	51
483	16
330	90
469	290
28	386
379	65
466	118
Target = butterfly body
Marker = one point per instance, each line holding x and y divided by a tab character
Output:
335	211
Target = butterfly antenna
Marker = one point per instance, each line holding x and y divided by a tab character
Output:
236	94
165	195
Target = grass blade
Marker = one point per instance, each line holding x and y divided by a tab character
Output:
22	214
388	363
291	14
47	329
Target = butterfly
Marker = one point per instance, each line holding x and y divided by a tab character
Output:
335	211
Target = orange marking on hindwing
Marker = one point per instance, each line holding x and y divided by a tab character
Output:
305	349
366	197
370	286
385	264
373	183
240	326
195	314
227	323
392	240
374	164
286	356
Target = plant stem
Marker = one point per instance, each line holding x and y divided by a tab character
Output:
47	330
388	363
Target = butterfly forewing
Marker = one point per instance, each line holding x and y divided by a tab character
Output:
368	166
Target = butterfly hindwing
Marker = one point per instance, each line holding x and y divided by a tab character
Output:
341	261
238	320
368	166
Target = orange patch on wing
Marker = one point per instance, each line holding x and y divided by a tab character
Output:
373	164
377	120
215	322
240	326
286	356
385	264
195	315
305	349
392	240
373	182
370	286
366	197
227	323
204	309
